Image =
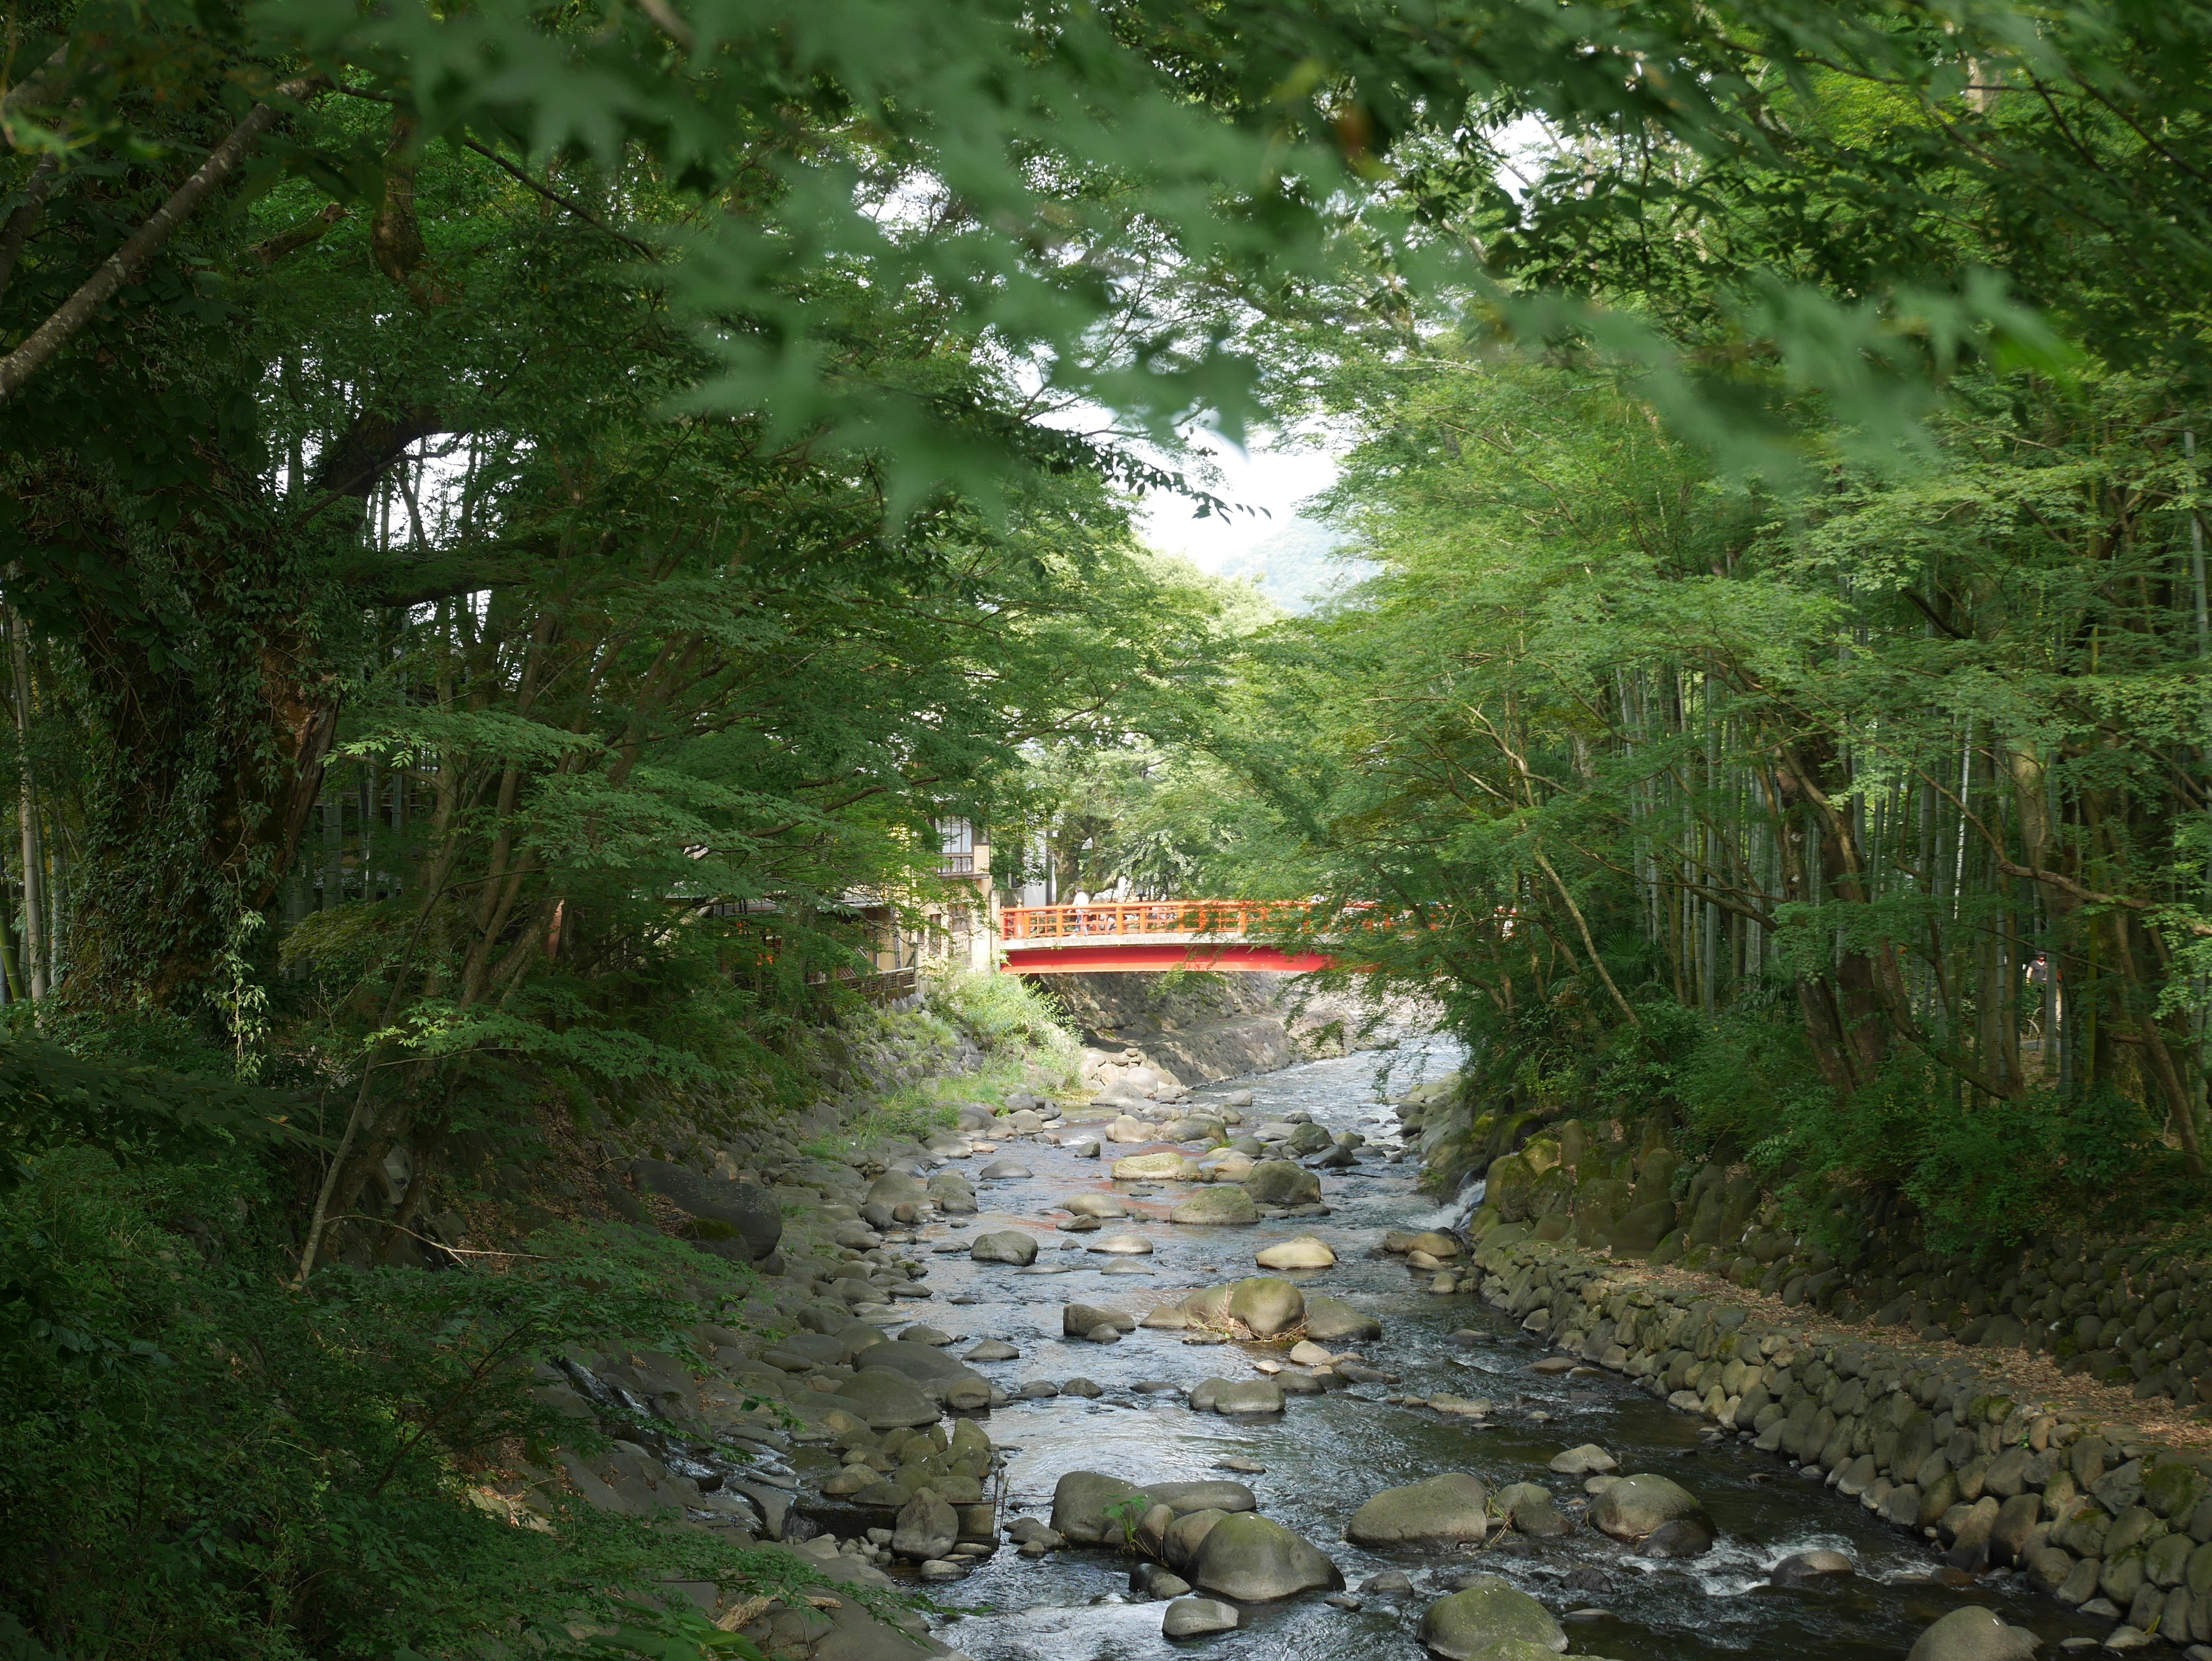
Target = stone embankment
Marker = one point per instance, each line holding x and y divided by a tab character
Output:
2120	1311
1910	1416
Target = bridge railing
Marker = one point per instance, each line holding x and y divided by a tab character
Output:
1218	919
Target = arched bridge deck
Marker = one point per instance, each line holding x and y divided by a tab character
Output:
1120	936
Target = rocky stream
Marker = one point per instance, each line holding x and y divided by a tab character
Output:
1337	1457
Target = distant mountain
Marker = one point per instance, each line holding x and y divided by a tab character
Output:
1297	565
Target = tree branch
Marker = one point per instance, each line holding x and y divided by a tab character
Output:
124	265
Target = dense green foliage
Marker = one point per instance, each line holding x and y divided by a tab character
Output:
1862	824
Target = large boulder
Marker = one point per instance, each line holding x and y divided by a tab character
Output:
1265	1306
1973	1634
897	1187
1280	1182
1087	1506
940	1376
1488	1612
1007	1245
1254	1560
926	1527
1454	1507
884	1400
1333	1321
740	1215
1637	1507
1219	1206
1186	1535
1303	1252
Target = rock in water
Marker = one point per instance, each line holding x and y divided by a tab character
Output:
1450	1507
1082	1500
1281	1183
1187	1533
1303	1252
999	1171
991	1349
1125	1245
1973	1634
1248	1395
1094	1205
885	1400
1081	1320
1219	1206
1265	1306
1486	1612
926	1527
1587	1460
1008	1246
1803	1567
1678	1537
1635	1507
1170	1166
1333	1321
1189	1617
1254	1560
1186	1497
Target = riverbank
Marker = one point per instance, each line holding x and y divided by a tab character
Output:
1995	1457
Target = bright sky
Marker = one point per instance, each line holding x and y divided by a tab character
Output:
1273	477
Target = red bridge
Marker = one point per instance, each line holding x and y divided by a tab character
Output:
1141	934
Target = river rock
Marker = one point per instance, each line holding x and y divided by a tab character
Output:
1124	1245
991	1349
1094	1205
1265	1306
1304	1251
1001	1171
1190	1617
1450	1507
1081	1320
1281	1183
1333	1321
896	1188
1587	1460
1255	1560
1221	1206
885	1400
1169	1167
1678	1537
1635	1507
1081	1503
1248	1395
1802	1567
1187	1533
1533	1509
1215	1494
1436	1242
1127	1129
1973	1634
927	1527
1008	1245
1488	1612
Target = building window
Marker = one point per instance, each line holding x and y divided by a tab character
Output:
956	847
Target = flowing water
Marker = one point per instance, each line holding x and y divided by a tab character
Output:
1328	1453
